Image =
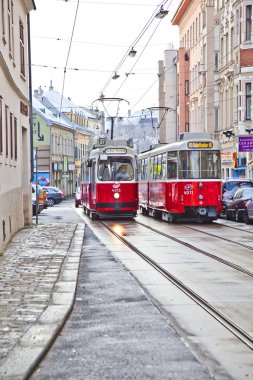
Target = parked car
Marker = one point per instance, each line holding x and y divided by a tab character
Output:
236	206
41	197
77	197
54	195
248	211
229	188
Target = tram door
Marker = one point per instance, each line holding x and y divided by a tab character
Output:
93	183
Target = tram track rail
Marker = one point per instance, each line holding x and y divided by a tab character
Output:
236	330
199	250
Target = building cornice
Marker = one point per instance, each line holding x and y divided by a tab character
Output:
11	80
180	12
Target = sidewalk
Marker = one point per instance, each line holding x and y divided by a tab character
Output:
38	282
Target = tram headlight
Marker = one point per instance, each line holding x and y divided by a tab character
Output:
201	197
116	195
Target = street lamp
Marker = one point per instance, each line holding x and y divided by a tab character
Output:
132	52
162	13
115	76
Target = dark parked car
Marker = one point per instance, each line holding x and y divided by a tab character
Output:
236	206
229	188
54	195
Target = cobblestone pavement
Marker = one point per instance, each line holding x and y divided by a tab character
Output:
38	276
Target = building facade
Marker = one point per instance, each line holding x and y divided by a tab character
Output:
15	121
235	85
216	38
168	97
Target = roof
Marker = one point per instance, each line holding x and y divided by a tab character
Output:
49	115
50	110
180	12
66	104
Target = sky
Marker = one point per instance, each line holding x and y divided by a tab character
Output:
78	45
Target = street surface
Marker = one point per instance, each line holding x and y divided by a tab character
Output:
114	324
114	331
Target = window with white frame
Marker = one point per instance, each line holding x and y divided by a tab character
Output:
248	101
22	48
1	126
248	26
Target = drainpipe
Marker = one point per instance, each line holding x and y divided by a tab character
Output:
30	95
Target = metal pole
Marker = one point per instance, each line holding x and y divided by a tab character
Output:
112	126
37	205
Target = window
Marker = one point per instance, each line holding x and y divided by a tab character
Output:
11	134
115	168
22	48
3	21
143	169
248	23
199	164
6	132
12	29
248	101
9	27
172	165
216	61
187	87
15	139
1	127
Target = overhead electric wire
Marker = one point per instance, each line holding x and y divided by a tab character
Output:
65	68
144	29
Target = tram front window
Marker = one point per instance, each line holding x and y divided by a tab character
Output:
199	164
115	169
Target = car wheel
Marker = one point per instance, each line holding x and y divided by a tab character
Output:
50	202
247	220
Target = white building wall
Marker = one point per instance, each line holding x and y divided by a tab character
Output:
15	187
168	97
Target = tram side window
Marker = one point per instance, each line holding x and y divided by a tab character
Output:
151	168
163	166
156	168
189	165
172	165
104	173
143	167
210	164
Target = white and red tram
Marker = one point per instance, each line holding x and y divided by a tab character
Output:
109	185
182	180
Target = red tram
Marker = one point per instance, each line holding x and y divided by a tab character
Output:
110	187
182	180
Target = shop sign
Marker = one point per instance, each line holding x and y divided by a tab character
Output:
245	143
227	157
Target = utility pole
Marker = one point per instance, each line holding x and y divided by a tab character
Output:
103	99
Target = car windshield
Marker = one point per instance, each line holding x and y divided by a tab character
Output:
115	169
247	193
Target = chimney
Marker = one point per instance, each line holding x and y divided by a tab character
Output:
51	86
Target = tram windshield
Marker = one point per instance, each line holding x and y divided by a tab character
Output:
115	169
199	164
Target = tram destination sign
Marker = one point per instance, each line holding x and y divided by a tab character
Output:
200	144
245	144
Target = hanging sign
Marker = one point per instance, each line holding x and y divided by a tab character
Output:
245	143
